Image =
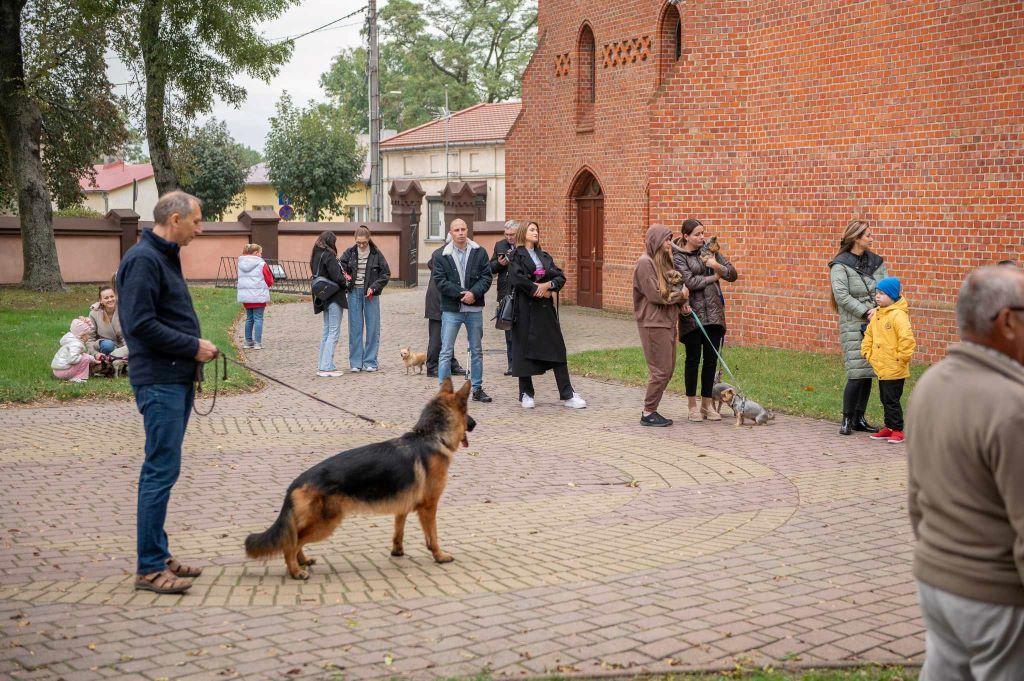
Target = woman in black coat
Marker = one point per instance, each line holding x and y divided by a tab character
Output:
324	262
537	343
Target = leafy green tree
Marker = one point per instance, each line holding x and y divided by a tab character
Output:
212	166
249	155
478	49
312	156
57	113
188	53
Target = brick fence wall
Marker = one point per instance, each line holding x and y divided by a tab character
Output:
779	123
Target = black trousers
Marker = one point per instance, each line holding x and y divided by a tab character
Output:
561	380
434	347
891	392
508	348
696	345
855	396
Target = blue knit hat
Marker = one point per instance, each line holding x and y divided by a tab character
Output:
891	287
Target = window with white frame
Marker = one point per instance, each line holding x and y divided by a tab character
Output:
360	213
407	163
474	161
435	219
436	166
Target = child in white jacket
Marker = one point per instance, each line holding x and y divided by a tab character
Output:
72	361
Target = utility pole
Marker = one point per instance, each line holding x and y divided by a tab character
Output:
447	117
376	176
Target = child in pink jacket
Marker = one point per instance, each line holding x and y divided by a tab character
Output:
72	362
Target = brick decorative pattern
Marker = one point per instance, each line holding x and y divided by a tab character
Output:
779	124
582	541
624	52
563	62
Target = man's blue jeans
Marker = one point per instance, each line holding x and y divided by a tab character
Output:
450	323
363	313
165	408
254	325
329	341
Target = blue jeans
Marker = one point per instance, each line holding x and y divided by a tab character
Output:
106	346
254	325
332	330
363	312
165	410
450	323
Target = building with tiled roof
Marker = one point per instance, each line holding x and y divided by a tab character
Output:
121	185
476	156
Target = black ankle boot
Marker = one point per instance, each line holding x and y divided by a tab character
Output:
847	426
860	424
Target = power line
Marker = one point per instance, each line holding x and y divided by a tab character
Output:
320	28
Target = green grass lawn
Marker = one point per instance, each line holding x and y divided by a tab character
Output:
788	381
32	323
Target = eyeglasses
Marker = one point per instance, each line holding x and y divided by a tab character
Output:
1011	308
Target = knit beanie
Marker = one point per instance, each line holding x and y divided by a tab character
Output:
80	326
890	286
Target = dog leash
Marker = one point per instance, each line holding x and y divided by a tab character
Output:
717	353
224	363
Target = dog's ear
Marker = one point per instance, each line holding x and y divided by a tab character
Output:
446	385
463	393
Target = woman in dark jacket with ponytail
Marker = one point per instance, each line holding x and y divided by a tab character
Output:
324	262
537	343
702	273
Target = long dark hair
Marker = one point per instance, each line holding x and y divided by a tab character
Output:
327	241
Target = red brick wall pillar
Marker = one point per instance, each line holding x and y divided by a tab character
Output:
263	230
406	201
128	221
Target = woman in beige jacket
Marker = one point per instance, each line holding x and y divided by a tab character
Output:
657	308
106	337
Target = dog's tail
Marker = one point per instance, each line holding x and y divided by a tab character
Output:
279	535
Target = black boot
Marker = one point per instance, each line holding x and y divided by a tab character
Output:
847	426
860	424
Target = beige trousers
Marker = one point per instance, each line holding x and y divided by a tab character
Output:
659	346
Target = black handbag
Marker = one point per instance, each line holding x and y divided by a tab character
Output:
505	316
323	289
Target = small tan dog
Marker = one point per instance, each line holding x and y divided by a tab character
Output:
413	359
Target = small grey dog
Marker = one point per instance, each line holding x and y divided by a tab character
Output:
716	395
745	408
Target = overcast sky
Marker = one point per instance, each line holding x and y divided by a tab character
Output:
311	57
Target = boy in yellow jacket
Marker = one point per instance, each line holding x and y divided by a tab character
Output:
888	346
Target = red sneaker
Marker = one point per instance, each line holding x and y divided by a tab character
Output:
897	437
883	434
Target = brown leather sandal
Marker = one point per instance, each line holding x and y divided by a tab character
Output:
181	570
165	582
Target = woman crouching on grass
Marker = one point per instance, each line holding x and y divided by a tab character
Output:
657	308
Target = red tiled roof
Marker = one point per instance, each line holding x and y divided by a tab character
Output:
115	175
479	123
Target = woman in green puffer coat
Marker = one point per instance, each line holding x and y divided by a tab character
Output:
854	273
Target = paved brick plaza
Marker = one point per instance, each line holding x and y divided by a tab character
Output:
583	542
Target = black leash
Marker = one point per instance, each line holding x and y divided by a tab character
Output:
224	363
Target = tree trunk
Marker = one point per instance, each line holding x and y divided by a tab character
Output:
156	97
21	124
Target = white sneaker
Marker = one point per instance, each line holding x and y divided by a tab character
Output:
329	374
257	346
77	380
526	401
576	402
355	370
247	346
370	369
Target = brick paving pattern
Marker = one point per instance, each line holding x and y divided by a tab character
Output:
583	542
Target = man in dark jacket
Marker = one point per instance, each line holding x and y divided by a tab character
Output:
499	266
432	313
162	332
462	275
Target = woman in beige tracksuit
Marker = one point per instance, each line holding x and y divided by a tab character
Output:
657	308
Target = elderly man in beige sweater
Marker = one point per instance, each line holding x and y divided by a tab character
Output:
965	450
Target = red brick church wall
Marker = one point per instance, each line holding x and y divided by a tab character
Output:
779	123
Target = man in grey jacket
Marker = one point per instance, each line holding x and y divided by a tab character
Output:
965	451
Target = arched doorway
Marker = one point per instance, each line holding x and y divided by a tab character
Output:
589	239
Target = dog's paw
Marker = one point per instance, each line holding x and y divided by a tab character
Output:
301	574
397	552
442	557
308	561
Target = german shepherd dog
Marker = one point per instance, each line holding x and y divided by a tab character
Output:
396	477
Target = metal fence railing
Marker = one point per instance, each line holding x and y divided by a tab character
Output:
290	276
